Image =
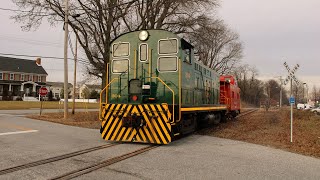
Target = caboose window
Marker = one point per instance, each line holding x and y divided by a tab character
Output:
120	66
168	46
121	49
167	64
143	55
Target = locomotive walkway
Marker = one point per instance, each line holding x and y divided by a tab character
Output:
193	157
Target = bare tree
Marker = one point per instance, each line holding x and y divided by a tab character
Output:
218	46
97	23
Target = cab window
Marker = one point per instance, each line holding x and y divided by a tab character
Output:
143	55
120	66
121	49
166	64
168	46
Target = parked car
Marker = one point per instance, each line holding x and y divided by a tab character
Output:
316	110
303	106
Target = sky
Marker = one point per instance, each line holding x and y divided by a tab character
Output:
272	31
277	31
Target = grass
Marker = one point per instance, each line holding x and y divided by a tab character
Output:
272	128
80	119
11	105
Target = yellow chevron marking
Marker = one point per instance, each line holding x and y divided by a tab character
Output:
166	108
144	139
123	128
154	126
120	134
108	120
108	114
115	123
127	133
134	132
148	124
161	124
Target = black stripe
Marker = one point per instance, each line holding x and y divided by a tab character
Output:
146	126
114	118
151	134
119	114
105	124
124	111
163	120
125	128
158	123
153	127
106	111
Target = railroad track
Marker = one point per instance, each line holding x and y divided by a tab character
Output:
53	159
247	112
102	164
82	171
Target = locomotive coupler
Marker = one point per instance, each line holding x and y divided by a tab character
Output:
133	120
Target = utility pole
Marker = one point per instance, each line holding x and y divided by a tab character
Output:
75	76
66	32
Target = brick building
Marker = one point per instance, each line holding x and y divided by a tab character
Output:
20	77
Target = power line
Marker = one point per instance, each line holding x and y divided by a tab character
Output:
48	57
18	10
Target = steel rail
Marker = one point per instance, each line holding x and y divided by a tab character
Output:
88	169
247	112
53	159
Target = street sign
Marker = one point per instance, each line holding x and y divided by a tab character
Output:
43	91
292	100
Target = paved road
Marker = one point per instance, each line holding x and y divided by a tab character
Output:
194	157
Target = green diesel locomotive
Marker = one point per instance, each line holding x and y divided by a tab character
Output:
156	90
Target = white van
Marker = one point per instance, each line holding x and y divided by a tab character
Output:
303	106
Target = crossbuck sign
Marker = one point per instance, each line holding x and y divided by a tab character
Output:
291	73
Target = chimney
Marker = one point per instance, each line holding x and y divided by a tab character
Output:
38	61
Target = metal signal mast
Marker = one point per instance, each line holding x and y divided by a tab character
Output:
291	77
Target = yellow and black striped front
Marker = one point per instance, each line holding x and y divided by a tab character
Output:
153	123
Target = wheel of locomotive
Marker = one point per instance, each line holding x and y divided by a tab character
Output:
217	119
223	117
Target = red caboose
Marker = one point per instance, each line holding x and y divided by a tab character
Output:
230	94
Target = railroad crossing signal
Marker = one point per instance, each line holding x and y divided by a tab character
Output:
292	100
291	73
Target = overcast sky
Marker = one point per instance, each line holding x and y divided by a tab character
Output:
272	31
275	31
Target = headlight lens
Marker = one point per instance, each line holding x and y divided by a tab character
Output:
143	35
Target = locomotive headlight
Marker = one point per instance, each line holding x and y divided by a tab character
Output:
143	35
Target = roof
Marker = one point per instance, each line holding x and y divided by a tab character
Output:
20	65
58	84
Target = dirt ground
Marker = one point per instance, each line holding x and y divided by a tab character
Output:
272	129
45	105
81	119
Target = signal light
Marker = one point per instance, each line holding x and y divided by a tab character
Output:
134	98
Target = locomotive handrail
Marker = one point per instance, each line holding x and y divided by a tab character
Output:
104	89
172	95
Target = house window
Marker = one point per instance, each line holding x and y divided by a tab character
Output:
1	76
39	78
11	76
22	77
30	77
